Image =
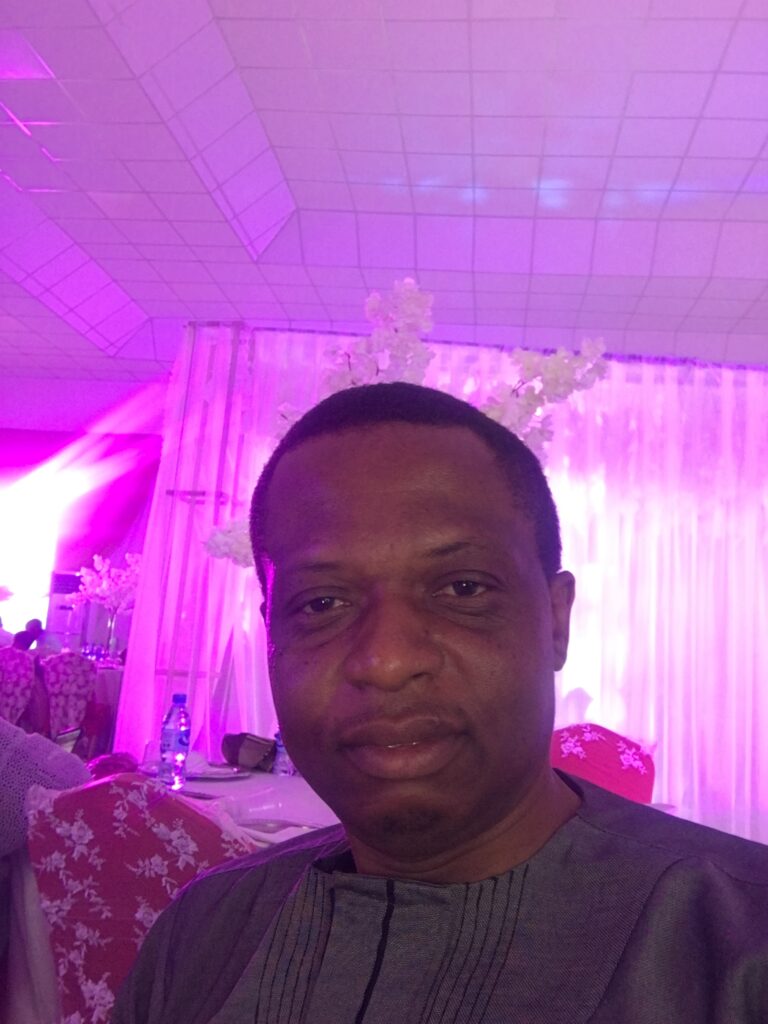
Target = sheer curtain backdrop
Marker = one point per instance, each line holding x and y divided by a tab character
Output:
661	477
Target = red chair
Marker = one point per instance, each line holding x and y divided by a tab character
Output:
107	858
598	755
70	680
17	677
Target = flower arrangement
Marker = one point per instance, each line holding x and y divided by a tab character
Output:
531	382
106	584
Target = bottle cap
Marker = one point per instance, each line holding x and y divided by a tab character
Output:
179	698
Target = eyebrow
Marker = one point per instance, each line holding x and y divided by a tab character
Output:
441	551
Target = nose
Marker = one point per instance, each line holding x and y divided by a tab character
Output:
392	645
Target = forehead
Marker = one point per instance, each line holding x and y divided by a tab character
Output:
385	476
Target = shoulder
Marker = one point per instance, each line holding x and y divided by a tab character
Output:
656	836
269	872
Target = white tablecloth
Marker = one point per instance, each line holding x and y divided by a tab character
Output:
272	808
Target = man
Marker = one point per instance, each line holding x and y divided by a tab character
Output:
409	555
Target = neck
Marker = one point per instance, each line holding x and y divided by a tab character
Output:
544	807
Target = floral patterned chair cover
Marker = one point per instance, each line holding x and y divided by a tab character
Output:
606	758
108	857
17	677
70	680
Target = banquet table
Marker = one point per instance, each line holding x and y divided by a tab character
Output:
272	808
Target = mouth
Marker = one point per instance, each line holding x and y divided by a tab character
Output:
400	749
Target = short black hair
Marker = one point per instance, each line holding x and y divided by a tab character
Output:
372	404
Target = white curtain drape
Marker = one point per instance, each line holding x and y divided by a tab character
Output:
661	477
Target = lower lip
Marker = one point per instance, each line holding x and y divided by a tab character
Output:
407	760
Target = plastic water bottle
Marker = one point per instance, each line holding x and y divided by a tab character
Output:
283	765
174	743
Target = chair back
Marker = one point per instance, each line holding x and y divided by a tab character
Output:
70	680
108	857
606	758
17	677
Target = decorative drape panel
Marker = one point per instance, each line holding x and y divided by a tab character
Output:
661	476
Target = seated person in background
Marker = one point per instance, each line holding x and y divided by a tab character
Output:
409	555
25	760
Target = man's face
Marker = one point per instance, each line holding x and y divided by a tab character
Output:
412	633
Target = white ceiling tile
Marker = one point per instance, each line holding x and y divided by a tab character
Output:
448	201
749	206
81	284
40	13
114	101
146	32
516	45
729	138
156	231
589	172
738	96
322	195
353	91
79	52
34	175
377	198
87	231
129	270
685	248
650	174
748	47
236	147
506	171
623	247
583	43
554	201
380	132
655	136
684	204
139	141
108	300
207	233
310	164
189	71
444	243
680	45
221	107
276	89
431	9
563	247
101	175
432	92
742	250
501	9
702	174
692	287
668	94
187	206
429	45
159	251
435	170
41	99
695	8
199	291
386	240
748	349
347	276
503	246
120	205
39	246
297	128
375	168
283	45
329	237
361	45
580	136
253	181
165	175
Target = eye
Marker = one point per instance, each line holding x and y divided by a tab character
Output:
463	588
320	605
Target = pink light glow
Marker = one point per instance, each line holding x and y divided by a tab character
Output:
37	508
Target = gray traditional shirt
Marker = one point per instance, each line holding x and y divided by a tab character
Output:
626	916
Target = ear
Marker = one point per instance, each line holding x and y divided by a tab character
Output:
263	610
562	591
